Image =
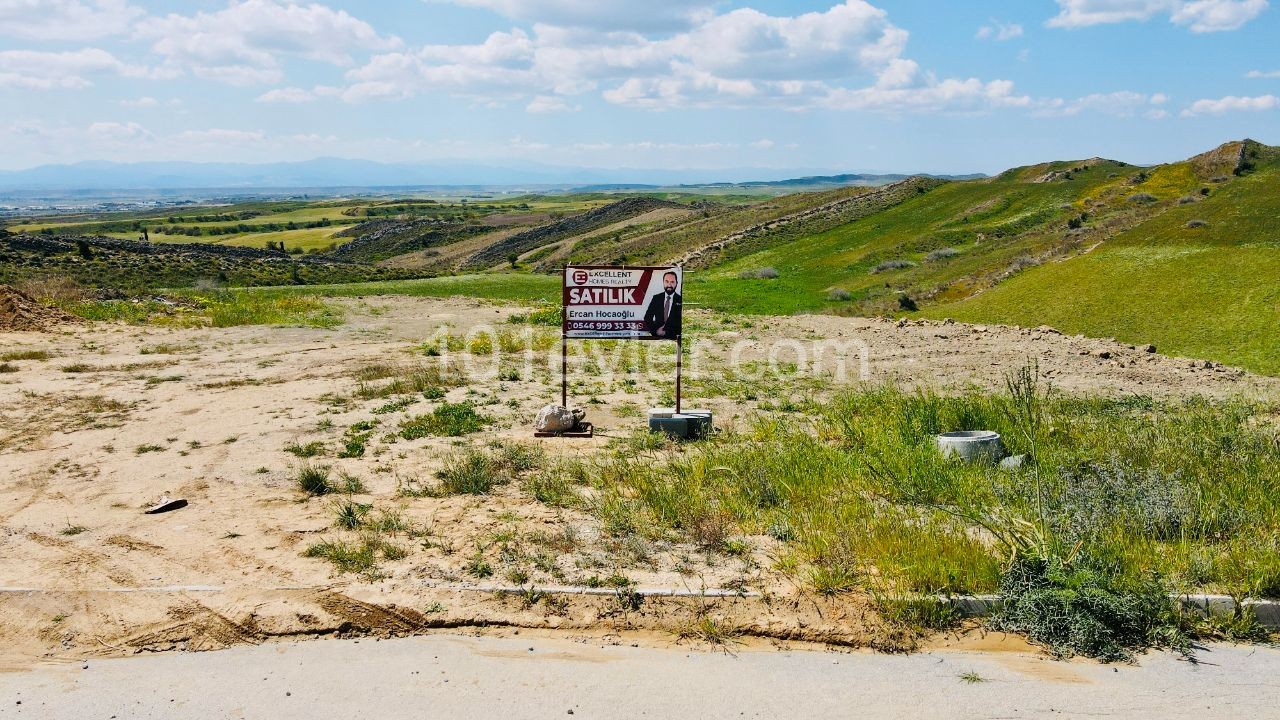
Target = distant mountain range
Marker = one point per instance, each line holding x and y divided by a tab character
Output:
344	173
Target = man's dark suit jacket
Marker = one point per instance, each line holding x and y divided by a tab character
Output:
653	316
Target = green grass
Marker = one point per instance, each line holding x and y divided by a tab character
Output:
25	354
311	449
507	286
447	420
220	308
1130	499
314	480
473	473
1207	293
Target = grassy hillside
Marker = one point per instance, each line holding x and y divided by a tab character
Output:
1210	290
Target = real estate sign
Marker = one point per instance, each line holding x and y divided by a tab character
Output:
637	303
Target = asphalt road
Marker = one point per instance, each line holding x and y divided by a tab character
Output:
445	676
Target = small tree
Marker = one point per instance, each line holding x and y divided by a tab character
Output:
512	258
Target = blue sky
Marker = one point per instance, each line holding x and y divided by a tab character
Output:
878	85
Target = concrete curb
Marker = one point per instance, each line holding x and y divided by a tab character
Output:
1267	611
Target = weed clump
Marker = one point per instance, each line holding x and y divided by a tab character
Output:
447	420
311	449
314	480
473	473
764	273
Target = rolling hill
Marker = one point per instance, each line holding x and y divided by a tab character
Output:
1185	255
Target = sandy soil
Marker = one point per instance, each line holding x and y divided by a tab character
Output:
206	415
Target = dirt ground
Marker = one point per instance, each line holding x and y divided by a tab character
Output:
117	417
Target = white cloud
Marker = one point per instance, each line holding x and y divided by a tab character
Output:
1217	15
66	19
550	104
220	136
742	58
242	43
142	102
287	95
1124	103
650	16
763	144
39	70
1232	103
999	31
117	131
1198	15
1267	74
951	95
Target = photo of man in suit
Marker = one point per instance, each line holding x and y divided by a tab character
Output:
662	318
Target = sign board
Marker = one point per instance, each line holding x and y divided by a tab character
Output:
634	303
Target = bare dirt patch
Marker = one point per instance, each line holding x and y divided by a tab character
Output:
19	312
230	423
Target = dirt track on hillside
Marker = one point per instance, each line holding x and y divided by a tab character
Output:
120	416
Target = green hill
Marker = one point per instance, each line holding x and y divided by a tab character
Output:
1200	279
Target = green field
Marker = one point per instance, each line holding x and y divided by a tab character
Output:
1206	292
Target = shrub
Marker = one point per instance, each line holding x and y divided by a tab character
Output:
764	273
888	265
1075	610
839	295
906	303
945	253
1186	199
1193	224
1142	198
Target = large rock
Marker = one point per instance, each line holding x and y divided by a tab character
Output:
558	418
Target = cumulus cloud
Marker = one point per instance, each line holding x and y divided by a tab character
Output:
1232	103
39	70
1198	15
849	55
242	43
1267	74
66	19
999	31
650	16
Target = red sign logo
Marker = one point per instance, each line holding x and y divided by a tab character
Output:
579	277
